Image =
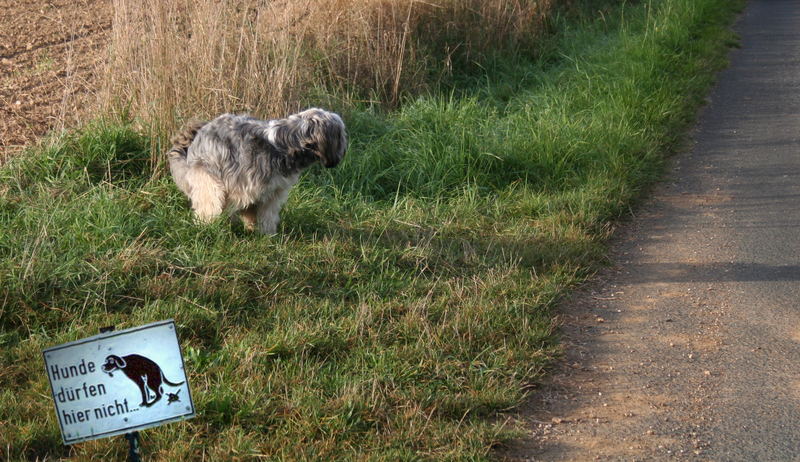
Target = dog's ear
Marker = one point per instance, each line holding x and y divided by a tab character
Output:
310	134
313	141
120	362
329	139
313	147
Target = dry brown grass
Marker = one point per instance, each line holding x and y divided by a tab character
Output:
172	59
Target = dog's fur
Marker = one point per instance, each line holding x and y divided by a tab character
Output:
246	166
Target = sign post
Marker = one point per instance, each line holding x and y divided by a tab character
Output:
119	382
133	446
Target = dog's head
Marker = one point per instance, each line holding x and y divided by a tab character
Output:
113	362
319	134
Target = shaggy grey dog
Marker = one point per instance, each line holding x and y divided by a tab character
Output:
245	166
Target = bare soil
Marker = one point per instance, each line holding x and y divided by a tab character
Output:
51	56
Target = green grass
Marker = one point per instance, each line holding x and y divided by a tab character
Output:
409	296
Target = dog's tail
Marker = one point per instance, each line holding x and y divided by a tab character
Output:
181	141
177	154
164	379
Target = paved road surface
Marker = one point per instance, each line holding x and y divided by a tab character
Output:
689	348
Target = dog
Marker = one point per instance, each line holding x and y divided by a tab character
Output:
245	166
145	373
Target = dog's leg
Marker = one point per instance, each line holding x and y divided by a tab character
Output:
269	211
269	207
142	382
207	195
159	391
248	217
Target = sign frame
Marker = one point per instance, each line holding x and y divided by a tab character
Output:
188	406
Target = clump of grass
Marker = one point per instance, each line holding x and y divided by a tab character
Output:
176	59
408	298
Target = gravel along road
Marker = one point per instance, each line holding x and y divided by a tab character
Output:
688	348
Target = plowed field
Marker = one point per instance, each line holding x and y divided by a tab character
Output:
51	53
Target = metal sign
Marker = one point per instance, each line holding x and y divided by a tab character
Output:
119	382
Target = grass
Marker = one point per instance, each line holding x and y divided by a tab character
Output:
175	59
408	299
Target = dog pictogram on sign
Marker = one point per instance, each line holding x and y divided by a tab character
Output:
116	382
145	373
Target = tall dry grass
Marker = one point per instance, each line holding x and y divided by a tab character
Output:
173	59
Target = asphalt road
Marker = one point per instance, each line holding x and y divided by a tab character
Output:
689	347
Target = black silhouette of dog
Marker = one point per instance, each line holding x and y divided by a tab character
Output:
145	373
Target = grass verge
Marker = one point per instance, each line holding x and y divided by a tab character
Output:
408	298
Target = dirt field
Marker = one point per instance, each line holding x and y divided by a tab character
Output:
50	51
